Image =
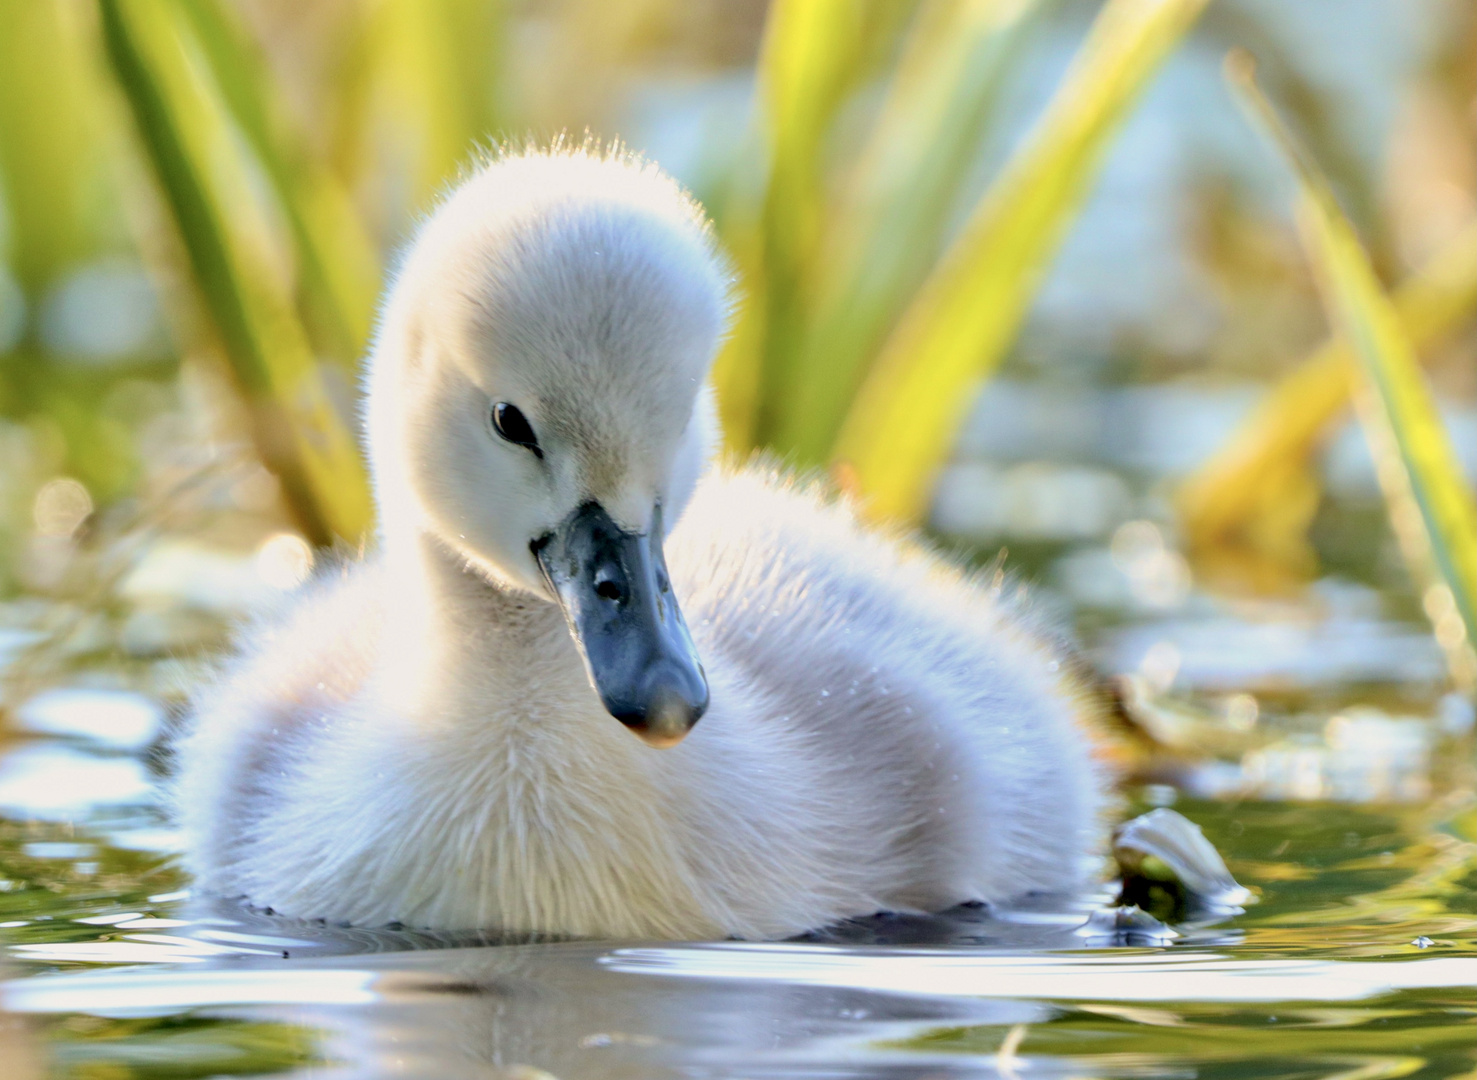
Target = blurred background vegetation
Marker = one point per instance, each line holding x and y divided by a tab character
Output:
1017	271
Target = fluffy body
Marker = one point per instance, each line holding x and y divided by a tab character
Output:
417	741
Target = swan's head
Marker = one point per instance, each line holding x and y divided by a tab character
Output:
537	404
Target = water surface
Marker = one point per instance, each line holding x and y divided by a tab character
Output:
1358	960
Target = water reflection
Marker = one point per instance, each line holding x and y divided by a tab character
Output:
61	783
1182	976
181	1047
116	719
741	1010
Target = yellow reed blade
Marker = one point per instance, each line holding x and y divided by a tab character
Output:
1224	494
813	53
1432	507
338	263
895	205
959	327
187	141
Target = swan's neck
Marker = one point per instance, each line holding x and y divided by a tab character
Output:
462	650
520	782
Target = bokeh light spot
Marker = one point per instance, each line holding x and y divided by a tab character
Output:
284	560
61	506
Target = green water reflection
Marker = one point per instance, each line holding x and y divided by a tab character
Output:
1424	1034
175	1048
54	875
1349	880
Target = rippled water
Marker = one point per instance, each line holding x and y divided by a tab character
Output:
1359	960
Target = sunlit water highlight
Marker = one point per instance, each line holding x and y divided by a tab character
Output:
742	1010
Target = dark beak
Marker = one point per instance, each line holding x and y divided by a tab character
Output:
616	596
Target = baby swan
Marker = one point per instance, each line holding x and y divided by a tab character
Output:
437	735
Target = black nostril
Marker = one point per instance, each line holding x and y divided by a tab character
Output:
609	590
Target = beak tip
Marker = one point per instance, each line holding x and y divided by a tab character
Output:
659	740
668	719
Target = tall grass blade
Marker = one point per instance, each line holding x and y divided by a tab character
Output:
958	328
1316	106
1225	493
49	157
182	130
1432	506
888	229
812	54
418	90
338	261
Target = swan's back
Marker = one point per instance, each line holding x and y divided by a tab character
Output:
895	661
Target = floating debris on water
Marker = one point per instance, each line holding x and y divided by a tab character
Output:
1171	869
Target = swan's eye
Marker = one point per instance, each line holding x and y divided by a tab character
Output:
512	425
